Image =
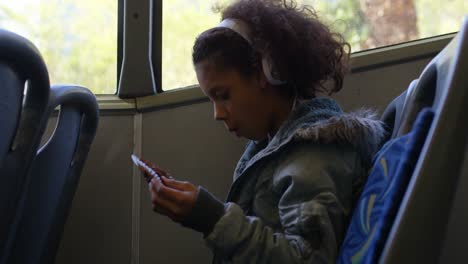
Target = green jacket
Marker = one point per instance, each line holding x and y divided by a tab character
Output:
292	196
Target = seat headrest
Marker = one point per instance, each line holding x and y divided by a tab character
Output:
392	116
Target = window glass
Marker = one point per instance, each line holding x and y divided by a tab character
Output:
77	38
366	24
183	20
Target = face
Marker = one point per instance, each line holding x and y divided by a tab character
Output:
240	102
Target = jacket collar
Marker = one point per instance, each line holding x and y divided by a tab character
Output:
321	120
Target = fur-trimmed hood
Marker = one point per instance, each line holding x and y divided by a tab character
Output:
360	129
322	120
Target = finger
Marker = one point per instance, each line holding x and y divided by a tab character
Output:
159	171
147	162
154	167
160	205
150	164
154	186
171	209
145	173
177	203
173	196
179	185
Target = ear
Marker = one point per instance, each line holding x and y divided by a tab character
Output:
262	81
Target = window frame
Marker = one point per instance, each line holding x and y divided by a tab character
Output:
120	14
156	97
141	31
361	61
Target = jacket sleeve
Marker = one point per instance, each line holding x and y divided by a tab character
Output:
312	216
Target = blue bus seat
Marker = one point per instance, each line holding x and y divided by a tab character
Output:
414	230
22	121
54	176
421	96
382	194
393	115
401	113
418	232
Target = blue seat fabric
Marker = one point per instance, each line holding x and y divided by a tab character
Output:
379	202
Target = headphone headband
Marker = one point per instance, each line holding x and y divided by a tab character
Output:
243	29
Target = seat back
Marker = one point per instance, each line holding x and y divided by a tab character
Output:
11	95
382	194
401	113
55	176
409	226
393	114
418	232
22	121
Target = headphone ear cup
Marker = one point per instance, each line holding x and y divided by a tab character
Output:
270	74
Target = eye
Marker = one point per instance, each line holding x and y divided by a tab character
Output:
222	96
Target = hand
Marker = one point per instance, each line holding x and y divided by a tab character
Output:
158	170
172	198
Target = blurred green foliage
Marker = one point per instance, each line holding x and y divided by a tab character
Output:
78	39
183	20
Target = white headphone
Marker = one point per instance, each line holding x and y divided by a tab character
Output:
242	28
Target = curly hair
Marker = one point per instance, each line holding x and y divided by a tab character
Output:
303	50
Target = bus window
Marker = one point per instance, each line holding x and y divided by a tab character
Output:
78	39
183	20
365	24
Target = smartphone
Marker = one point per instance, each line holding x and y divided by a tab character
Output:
137	161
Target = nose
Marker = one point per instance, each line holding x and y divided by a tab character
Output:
220	112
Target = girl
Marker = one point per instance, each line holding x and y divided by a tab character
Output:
295	185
